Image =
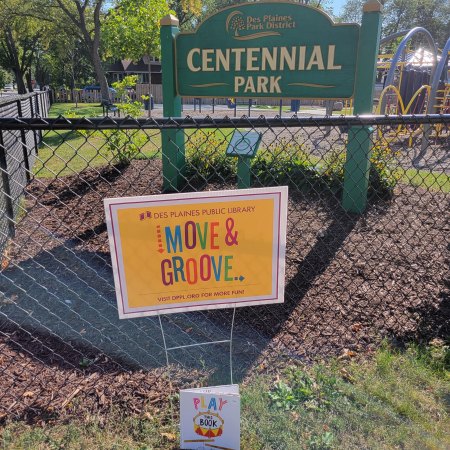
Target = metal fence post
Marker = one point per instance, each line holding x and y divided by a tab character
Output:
38	99
33	110
9	210
357	165
173	154
24	142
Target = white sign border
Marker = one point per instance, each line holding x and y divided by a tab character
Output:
111	206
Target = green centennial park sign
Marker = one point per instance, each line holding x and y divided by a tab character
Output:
258	49
275	49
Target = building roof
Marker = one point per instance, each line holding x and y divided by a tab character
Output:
128	66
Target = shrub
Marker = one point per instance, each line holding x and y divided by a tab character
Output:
124	145
206	159
286	162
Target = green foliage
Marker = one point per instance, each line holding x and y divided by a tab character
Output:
287	162
312	392
321	441
189	11
124	145
205	155
383	176
396	399
122	86
131	29
128	107
5	78
21	36
65	61
284	163
399	15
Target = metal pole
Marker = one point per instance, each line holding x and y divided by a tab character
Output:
24	143
9	210
149	114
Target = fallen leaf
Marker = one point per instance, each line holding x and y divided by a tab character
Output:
169	436
347	354
437	342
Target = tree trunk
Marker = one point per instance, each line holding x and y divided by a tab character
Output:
100	74
21	89
91	38
29	83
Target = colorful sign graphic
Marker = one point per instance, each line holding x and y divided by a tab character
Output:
268	49
210	418
202	250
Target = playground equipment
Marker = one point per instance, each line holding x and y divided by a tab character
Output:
407	85
415	81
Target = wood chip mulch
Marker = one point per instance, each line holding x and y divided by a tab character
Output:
350	281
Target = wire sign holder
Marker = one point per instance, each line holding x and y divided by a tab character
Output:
200	344
198	251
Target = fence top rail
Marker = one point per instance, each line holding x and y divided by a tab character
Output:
105	123
13	98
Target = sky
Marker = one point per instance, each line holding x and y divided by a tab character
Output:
337	6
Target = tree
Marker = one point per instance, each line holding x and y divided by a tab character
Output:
131	30
20	35
64	62
5	78
399	15
188	11
86	16
220	4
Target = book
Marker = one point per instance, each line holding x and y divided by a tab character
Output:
210	418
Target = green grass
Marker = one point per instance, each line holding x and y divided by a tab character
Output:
434	181
94	432
397	400
83	109
393	400
69	152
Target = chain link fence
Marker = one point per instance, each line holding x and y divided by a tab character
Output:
351	279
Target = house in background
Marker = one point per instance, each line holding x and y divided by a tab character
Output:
119	69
